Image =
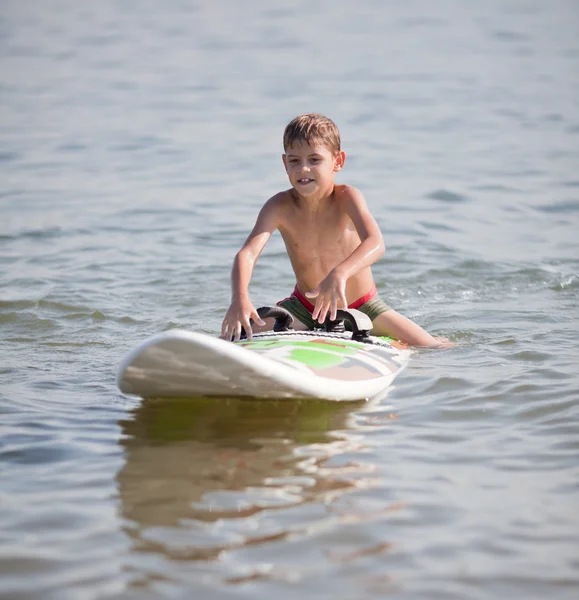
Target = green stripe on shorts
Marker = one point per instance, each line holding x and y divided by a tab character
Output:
374	307
299	311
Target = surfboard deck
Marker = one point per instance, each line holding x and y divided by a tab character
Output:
311	364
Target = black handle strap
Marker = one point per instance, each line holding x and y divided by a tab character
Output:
360	323
283	318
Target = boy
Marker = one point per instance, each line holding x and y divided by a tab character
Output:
331	239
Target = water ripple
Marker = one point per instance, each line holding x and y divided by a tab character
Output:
137	148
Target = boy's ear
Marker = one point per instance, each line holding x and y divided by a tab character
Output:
339	160
284	160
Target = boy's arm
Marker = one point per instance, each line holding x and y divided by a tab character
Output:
241	309
371	247
333	288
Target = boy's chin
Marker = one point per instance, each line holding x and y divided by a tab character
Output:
307	189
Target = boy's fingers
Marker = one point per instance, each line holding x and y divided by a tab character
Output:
257	319
323	313
333	309
318	309
315	312
247	327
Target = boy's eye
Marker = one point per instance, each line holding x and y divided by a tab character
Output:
315	159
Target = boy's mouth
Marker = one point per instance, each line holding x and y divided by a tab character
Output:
305	180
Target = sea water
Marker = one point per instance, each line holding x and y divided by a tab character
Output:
138	140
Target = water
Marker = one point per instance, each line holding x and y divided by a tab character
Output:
138	141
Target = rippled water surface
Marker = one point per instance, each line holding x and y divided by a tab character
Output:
137	142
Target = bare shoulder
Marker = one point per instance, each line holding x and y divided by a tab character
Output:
348	193
352	203
273	213
278	202
350	197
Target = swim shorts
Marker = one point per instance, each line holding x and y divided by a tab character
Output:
301	308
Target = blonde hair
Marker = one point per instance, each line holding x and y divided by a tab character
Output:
312	128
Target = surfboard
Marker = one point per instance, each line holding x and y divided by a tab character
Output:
331	365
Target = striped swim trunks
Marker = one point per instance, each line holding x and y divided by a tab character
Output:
301	308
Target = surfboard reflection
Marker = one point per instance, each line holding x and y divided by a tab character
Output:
205	475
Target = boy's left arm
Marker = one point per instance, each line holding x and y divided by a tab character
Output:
333	288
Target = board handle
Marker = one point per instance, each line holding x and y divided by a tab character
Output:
360	323
283	318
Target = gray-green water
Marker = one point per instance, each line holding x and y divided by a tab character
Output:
137	142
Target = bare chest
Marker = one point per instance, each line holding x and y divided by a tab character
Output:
312	237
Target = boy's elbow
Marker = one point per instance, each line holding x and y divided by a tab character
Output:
381	248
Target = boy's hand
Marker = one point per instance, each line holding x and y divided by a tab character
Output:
330	295
238	316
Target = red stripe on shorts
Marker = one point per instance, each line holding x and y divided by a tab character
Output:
310	307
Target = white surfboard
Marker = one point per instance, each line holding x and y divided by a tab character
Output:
290	364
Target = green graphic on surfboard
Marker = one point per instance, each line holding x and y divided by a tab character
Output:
317	353
340	347
315	358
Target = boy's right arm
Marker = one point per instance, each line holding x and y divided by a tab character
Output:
241	309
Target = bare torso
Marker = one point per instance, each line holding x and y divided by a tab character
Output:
331	239
318	240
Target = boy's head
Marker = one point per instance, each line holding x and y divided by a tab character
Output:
313	129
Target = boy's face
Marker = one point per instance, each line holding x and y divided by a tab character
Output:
311	169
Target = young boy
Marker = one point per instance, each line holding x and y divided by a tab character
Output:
331	239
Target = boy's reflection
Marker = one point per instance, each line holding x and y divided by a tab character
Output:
211	459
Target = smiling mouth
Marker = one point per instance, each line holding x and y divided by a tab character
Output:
305	180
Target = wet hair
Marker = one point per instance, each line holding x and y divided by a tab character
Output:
312	129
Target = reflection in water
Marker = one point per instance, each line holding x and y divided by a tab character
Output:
204	476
